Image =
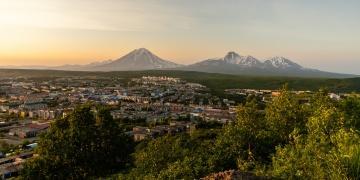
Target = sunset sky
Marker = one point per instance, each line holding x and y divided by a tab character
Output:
323	34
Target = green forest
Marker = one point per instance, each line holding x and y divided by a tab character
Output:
285	139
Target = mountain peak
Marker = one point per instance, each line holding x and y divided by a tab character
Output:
280	59
231	56
245	61
142	50
282	62
139	59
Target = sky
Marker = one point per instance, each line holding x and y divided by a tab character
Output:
322	34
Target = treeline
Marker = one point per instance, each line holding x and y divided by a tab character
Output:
285	139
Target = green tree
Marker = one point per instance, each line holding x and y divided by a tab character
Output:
351	108
283	114
325	151
80	146
5	147
159	153
245	142
174	157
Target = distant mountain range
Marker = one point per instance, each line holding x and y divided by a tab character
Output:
231	63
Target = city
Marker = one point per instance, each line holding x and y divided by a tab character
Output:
151	106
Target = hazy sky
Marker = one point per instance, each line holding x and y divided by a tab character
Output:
322	34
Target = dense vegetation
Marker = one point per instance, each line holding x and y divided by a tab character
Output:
286	139
82	145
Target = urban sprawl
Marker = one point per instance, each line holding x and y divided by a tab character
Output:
164	105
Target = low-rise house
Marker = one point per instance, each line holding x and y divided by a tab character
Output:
334	96
28	131
140	133
11	166
220	115
4	108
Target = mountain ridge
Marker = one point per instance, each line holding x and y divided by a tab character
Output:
231	63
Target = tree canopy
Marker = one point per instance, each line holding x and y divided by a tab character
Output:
286	139
87	143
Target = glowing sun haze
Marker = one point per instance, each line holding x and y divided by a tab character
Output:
322	34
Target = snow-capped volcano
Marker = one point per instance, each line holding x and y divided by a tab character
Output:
233	63
281	63
245	61
138	59
249	61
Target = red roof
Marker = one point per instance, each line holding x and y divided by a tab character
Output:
38	126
